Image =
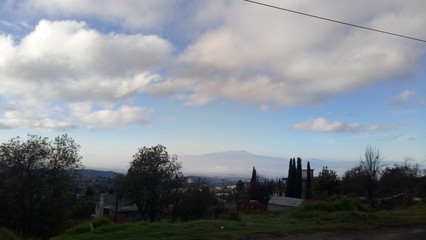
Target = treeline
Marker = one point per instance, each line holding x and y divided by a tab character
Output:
36	184
259	188
38	198
381	186
38	187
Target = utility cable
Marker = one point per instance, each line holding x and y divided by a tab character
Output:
336	21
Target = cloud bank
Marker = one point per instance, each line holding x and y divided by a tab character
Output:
232	50
323	125
64	63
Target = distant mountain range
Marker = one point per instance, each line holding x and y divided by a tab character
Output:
238	165
241	163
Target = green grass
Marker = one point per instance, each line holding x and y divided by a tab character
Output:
333	214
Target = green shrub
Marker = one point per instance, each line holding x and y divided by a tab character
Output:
89	226
232	215
6	234
337	204
330	205
350	217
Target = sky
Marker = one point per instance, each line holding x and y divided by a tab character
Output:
201	76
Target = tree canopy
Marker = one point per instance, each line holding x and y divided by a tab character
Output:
327	182
36	183
150	181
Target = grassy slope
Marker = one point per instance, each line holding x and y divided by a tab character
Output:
260	223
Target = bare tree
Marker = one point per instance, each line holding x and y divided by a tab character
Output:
371	167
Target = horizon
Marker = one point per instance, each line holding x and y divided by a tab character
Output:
203	77
228	161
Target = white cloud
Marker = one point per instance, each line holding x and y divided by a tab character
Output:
265	56
404	137
403	97
31	116
84	114
80	115
66	59
131	14
238	51
323	125
65	62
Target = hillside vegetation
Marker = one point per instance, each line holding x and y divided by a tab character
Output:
333	214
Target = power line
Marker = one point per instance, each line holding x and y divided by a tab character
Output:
336	21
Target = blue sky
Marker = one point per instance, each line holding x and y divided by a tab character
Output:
212	76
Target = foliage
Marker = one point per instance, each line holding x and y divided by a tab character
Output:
261	225
253	190
298	192
371	167
83	207
291	179
421	187
294	180
363	179
261	188
151	181
401	178
232	215
352	182
36	190
6	234
308	194
327	182
333	204
88	226
195	203
241	192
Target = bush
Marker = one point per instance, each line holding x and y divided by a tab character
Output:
232	215
6	234
330	205
89	226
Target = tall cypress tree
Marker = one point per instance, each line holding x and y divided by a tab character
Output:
308	182
293	178
290	179
298	181
253	185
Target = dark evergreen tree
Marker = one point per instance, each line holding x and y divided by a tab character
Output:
253	185
298	181
308	182
290	180
294	182
287	184
293	177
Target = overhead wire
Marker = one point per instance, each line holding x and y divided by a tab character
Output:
336	21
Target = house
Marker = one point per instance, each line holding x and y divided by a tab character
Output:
111	206
278	203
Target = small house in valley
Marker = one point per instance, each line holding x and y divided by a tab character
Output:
278	203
